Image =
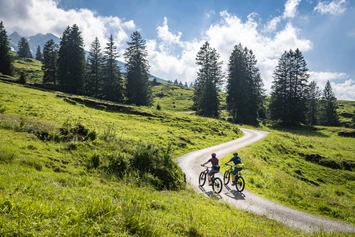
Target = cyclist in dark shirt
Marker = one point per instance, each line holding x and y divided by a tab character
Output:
215	167
236	160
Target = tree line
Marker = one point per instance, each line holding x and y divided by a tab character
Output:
98	75
293	99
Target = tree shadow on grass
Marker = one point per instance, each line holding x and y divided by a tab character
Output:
234	193
308	131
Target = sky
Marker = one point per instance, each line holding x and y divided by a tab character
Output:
175	30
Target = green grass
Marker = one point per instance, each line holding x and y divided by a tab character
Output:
172	97
346	110
32	69
306	170
52	188
88	185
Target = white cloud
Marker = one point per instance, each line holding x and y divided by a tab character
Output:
291	8
165	35
210	13
345	90
335	7
289	13
222	35
343	87
44	16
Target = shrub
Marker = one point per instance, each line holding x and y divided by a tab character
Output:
118	164
159	163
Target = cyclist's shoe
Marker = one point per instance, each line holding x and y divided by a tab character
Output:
234	183
210	184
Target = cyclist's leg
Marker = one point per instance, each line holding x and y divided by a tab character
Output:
234	175
210	174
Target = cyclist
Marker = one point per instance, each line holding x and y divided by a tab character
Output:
236	160
215	167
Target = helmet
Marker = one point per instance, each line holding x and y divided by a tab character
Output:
213	154
235	153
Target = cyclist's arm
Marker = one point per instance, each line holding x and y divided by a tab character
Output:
205	163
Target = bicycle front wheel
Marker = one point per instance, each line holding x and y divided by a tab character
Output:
226	177
240	185
202	179
217	185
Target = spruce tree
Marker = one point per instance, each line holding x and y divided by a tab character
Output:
209	79
137	66
5	57
49	62
24	48
289	89
244	86
329	115
312	115
113	79
39	55
94	76
71	61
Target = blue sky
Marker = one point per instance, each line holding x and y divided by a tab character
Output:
175	30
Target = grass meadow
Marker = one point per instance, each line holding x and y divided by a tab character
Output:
68	169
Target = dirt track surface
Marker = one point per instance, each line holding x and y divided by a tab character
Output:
191	165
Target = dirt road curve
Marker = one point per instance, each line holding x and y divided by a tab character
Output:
190	164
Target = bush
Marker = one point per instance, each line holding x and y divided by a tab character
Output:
118	164
159	163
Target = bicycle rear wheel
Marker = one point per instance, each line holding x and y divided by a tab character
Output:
217	185
240	185
202	179
226	177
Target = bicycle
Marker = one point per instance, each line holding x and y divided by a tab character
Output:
240	182
216	182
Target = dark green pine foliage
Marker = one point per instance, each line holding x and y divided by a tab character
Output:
112	87
245	91
94	72
39	55
209	78
329	115
290	88
49	62
24	48
312	115
71	60
138	87
5	57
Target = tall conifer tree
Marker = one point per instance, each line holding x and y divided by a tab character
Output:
94	78
49	63
39	55
329	115
24	48
312	115
71	61
112	85
244	86
5	57
209	79
137	66
289	89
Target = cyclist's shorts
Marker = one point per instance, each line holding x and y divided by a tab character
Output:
213	171
235	171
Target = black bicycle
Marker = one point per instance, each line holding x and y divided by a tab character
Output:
240	182
217	184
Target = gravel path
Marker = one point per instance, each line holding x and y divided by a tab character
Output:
190	164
